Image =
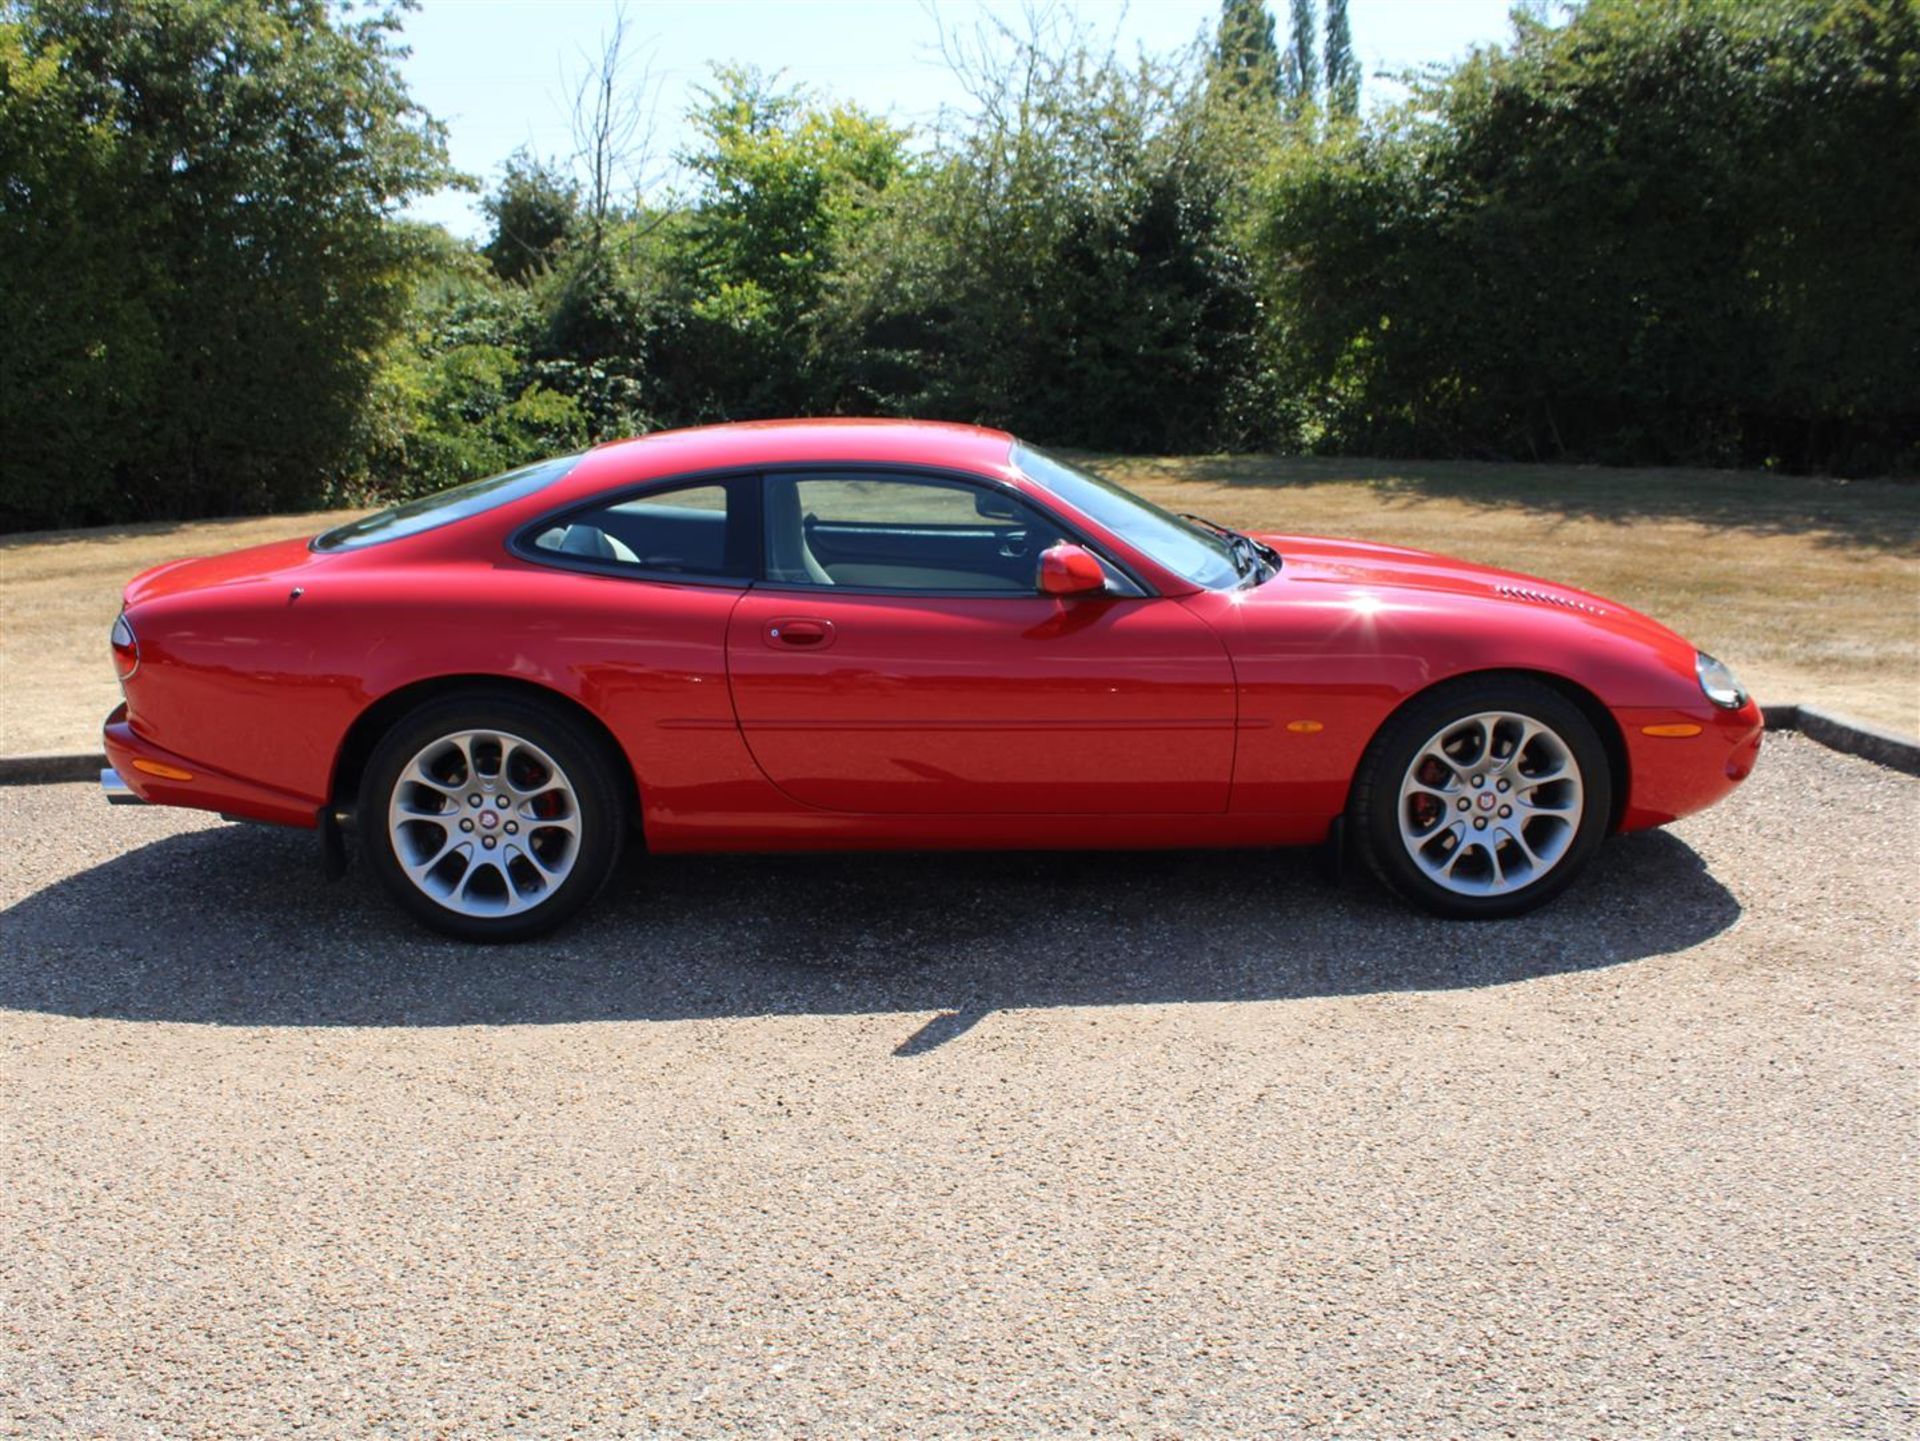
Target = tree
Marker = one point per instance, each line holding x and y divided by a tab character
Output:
1343	71
534	209
1066	269
1300	66
1657	233
785	185
612	129
199	255
1245	62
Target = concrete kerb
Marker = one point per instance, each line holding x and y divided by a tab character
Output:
1851	737
51	768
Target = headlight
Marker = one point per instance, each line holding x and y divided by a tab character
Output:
1717	679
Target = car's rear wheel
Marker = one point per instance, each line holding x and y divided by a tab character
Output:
1485	799
491	818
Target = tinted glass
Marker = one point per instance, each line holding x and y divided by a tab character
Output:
671	532
1188	551
445	507
901	533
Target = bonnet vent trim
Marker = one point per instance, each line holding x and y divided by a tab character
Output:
1521	592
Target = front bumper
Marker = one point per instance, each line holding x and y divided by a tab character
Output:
1674	775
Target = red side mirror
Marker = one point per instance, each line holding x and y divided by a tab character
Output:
1070	570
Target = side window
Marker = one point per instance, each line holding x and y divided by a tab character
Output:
683	531
901	533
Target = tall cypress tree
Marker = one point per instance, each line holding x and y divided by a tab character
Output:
1343	71
1246	58
1300	67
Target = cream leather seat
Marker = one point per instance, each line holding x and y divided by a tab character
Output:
595	543
789	557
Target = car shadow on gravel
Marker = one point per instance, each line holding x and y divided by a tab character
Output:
233	925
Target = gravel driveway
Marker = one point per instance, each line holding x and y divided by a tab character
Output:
1162	1146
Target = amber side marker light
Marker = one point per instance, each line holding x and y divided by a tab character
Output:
165	772
1672	732
1305	728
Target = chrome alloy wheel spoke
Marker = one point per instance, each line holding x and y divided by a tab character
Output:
1491	803
532	858
416	775
484	823
432	856
494	876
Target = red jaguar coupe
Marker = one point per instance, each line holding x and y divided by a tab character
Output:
842	634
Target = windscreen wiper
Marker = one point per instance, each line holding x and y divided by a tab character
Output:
1241	545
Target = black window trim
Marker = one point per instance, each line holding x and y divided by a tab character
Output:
520	543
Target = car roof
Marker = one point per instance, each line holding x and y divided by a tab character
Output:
794	442
748	445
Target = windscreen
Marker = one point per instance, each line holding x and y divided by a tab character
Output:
1188	551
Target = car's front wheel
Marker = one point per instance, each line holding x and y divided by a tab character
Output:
1484	799
491	818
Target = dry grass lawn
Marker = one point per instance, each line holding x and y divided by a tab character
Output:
1810	588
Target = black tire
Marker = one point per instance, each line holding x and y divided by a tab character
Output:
1375	810
599	795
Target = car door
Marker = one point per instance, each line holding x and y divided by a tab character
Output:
897	658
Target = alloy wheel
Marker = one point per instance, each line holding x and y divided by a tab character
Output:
484	823
1491	803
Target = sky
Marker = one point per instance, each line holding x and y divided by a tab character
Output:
501	73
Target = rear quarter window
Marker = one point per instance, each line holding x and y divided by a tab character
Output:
446	506
687	530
